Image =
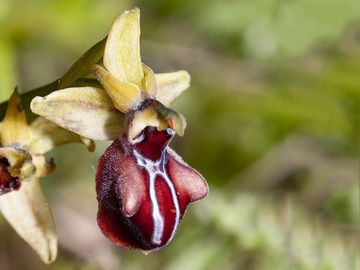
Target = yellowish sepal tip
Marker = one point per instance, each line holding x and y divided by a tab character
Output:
124	95
122	50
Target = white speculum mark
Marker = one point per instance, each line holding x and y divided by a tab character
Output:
155	168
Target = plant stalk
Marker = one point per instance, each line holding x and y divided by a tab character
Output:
73	77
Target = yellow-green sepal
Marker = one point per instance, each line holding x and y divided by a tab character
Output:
28	212
87	111
14	129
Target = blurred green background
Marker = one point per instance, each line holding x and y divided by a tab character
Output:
273	124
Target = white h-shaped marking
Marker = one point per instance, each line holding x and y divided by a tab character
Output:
155	168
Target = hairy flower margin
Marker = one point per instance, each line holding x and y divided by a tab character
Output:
143	187
22	163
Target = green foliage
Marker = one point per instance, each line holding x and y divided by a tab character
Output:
7	82
344	205
265	29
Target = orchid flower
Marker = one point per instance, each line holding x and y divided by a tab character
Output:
143	187
22	163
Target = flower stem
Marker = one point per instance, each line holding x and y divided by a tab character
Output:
73	77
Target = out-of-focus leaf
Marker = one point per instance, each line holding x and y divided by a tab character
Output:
344	205
7	69
276	28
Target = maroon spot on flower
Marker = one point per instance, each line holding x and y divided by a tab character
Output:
143	190
7	182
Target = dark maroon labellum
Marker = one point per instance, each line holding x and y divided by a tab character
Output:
143	189
7	182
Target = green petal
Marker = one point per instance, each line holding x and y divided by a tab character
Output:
14	129
123	94
150	82
171	85
47	136
122	50
28	213
86	111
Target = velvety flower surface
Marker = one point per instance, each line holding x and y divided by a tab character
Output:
143	190
22	163
143	187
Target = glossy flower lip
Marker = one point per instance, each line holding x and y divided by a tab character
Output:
22	163
143	189
129	85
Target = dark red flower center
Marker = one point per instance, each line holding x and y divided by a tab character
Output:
7	182
151	142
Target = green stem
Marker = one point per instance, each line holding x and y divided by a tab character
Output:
82	67
73	77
